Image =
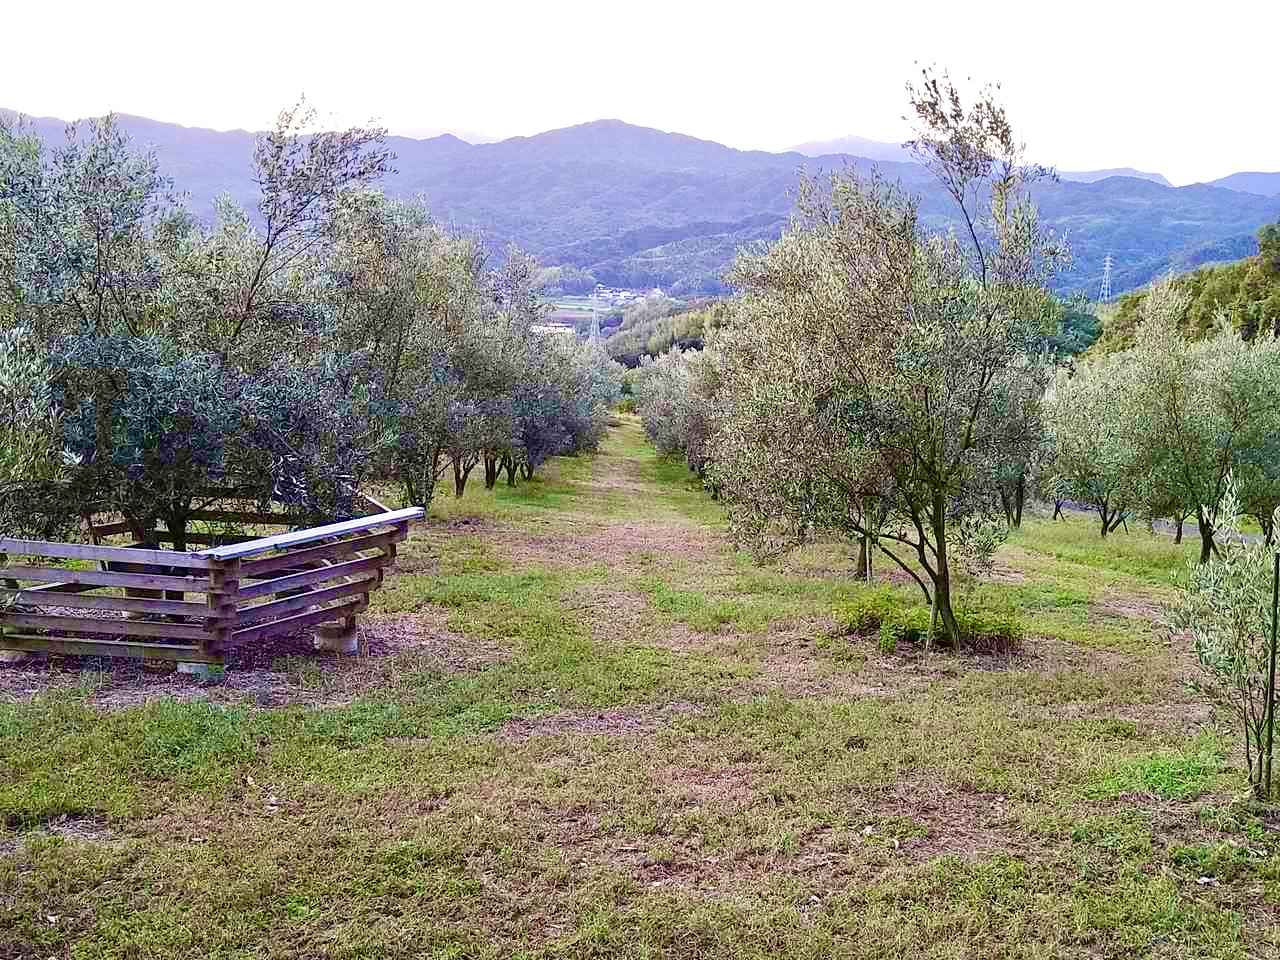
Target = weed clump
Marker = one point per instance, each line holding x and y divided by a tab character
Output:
895	620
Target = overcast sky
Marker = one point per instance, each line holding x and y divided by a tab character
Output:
1185	89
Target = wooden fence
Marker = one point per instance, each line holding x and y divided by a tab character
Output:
192	607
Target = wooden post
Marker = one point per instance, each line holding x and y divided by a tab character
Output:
8	656
224	587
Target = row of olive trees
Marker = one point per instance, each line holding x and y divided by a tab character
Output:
874	379
674	395
330	337
1156	430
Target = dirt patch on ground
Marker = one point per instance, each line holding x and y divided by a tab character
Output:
74	829
897	828
612	612
922	822
277	672
421	553
582	544
814	661
1003	573
732	786
610	723
1131	608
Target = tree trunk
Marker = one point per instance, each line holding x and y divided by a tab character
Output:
1177	530
1020	496
1057	510
942	597
509	465
861	565
1106	520
490	472
942	572
527	470
460	474
1206	535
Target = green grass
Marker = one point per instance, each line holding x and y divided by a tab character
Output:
716	768
1150	557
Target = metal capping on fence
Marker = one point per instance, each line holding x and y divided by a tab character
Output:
252	589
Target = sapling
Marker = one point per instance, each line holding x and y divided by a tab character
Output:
1226	606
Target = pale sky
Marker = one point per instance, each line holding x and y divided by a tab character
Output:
1185	89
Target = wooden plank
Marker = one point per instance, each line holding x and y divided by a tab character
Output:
119	628
203	539
82	551
284	541
374	502
328	551
61	588
250	517
302	620
41	595
103	578
206	539
278	608
107	648
306	579
113	529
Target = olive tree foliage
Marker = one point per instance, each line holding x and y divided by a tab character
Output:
1210	409
328	336
1099	458
872	370
675	397
461	374
143	313
1160	427
662	390
31	447
1226	607
303	175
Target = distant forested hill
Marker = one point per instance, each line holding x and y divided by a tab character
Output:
632	206
1246	293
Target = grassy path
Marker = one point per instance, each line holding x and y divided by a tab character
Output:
586	727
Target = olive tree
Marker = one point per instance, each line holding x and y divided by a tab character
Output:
1209	408
873	370
174	417
302	175
141	310
1226	607
1099	458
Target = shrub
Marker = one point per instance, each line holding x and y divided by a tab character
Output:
885	613
865	612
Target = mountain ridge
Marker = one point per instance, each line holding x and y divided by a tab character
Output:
637	206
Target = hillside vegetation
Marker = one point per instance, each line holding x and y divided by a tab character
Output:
1245	293
683	328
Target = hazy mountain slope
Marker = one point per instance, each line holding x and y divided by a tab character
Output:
1264	184
1093	176
855	146
881	150
642	207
